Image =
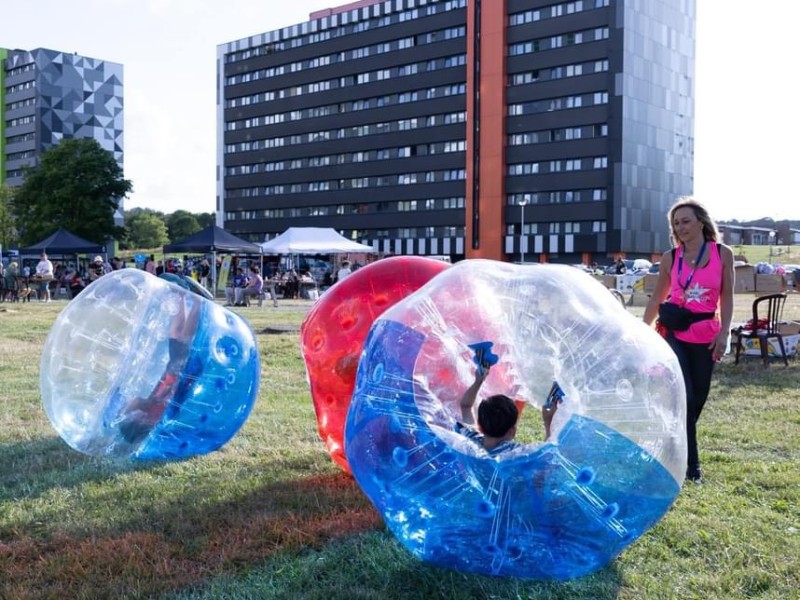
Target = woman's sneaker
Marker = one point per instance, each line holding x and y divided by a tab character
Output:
694	474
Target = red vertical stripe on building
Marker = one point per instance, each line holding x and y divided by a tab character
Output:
491	112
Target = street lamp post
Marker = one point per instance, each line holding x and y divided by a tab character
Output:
522	202
771	242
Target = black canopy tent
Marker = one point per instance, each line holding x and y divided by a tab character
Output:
63	242
213	239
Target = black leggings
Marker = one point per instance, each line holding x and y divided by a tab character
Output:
697	366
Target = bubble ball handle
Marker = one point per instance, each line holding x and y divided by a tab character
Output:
484	357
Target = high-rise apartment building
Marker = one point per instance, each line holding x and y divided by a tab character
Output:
504	129
46	96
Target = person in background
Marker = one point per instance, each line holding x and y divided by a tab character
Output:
150	264
97	269
43	276
205	273
698	275
344	271
11	287
75	282
253	288
238	283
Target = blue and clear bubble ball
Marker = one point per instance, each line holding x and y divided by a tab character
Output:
554	509
139	367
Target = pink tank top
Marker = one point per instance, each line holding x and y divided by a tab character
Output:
700	296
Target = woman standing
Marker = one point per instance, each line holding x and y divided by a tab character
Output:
697	274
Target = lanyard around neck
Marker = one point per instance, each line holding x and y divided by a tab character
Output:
696	264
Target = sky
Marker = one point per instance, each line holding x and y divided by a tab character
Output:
745	121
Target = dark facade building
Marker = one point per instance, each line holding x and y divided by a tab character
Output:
505	129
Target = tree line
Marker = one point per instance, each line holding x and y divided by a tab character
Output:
79	186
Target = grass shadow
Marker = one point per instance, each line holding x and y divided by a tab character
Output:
387	571
29	469
186	543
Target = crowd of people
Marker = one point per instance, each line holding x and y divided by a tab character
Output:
245	282
48	277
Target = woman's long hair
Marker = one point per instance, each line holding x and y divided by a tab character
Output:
710	232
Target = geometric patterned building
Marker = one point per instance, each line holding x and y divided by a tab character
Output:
46	96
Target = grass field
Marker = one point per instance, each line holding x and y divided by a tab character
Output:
785	255
270	516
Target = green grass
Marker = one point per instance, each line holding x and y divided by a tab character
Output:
270	515
784	255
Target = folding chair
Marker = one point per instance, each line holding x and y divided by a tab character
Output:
767	313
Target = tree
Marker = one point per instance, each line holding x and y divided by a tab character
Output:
146	229
181	224
77	185
206	219
8	229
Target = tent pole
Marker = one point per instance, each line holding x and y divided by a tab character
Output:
214	273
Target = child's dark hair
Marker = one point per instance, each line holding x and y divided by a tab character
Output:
496	415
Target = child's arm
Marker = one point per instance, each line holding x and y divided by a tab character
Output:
549	408
469	397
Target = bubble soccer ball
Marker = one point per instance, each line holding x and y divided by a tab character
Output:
333	334
142	368
557	510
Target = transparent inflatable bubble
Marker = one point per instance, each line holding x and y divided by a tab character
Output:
139	367
552	510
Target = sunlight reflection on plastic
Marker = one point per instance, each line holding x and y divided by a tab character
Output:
555	510
334	331
136	366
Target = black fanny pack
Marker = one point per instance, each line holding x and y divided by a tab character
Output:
678	318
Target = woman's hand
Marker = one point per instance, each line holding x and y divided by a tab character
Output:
718	345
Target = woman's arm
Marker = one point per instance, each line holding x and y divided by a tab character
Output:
660	290
718	344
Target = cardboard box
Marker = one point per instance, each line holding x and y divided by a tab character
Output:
609	281
770	284
625	283
791	341
650	282
745	279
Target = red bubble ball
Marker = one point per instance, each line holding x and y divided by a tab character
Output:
333	334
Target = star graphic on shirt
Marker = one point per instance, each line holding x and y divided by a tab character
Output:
695	293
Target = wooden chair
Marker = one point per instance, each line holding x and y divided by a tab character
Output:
766	323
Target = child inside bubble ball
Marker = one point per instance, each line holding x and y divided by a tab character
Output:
497	416
142	414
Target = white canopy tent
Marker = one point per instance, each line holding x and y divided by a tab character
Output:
312	240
